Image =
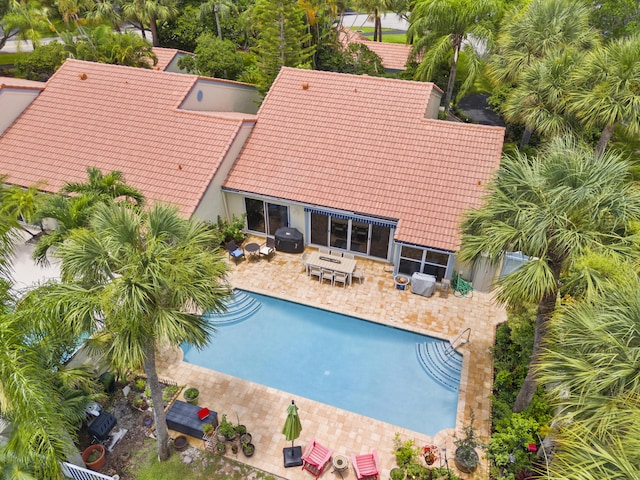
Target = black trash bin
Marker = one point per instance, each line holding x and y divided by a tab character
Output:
289	240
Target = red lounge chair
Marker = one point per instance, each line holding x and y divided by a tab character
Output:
315	458
366	466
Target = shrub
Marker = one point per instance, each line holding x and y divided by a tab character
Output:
226	428
406	452
140	384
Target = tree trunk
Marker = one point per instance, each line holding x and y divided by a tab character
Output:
153	26
546	307
162	432
452	79
605	136
526	136
217	17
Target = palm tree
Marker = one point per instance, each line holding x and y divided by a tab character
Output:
440	29
541	97
146	277
220	9
373	9
148	13
22	204
553	208
8	237
107	187
29	18
542	28
610	95
591	365
44	399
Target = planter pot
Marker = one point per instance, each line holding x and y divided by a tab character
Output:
191	395
396	474
221	448
401	282
245	438
248	449
180	443
234	448
94	457
466	459
429	459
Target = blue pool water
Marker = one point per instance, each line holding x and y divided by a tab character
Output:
335	359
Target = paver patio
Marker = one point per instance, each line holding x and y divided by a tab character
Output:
263	409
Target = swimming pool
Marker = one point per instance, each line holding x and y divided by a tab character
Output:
353	364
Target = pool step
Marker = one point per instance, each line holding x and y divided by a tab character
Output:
239	307
441	362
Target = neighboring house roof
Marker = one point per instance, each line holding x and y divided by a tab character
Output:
394	56
165	56
119	118
11	82
363	144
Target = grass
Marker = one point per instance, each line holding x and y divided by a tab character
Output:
205	465
10	58
386	37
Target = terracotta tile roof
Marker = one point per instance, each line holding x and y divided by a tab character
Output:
165	56
394	56
362	144
11	82
118	118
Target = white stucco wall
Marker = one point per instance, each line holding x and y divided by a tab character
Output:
212	203
212	96
173	65
13	101
433	107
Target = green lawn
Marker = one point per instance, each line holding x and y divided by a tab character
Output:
205	465
386	37
10	58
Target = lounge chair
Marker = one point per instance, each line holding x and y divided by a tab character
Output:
315	458
268	248
235	251
367	466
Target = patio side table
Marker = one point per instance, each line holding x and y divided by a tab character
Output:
340	464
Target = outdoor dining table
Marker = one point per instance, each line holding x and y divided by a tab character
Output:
332	262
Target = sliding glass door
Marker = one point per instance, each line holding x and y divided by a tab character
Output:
349	234
265	217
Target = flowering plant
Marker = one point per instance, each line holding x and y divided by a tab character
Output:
430	453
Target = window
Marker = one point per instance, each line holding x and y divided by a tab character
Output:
352	235
264	217
423	260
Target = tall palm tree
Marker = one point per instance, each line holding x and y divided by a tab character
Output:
553	208
541	97
44	399
610	95
146	277
541	28
440	29
592	366
220	9
147	13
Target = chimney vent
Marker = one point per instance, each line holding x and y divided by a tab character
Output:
83	76
305	85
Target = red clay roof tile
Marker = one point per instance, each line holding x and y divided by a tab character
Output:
118	118
362	144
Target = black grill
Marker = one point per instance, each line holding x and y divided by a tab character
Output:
289	240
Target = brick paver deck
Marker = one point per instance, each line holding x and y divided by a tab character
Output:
263	409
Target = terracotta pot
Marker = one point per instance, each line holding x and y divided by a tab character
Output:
99	462
180	443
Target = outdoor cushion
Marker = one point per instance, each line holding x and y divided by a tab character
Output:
203	413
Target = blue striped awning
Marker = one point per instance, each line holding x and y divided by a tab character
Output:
374	221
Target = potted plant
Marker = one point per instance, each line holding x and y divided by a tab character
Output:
234	448
405	452
139	384
248	449
207	429
226	429
241	429
139	403
466	458
191	395
93	456
397	474
430	454
401	281
245	438
221	448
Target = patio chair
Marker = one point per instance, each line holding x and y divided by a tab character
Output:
323	250
327	275
268	248
304	263
367	466
315	272
235	251
315	458
348	255
358	274
340	277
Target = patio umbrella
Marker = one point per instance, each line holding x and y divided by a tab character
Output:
291	431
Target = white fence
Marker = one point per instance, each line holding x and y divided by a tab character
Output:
70	470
